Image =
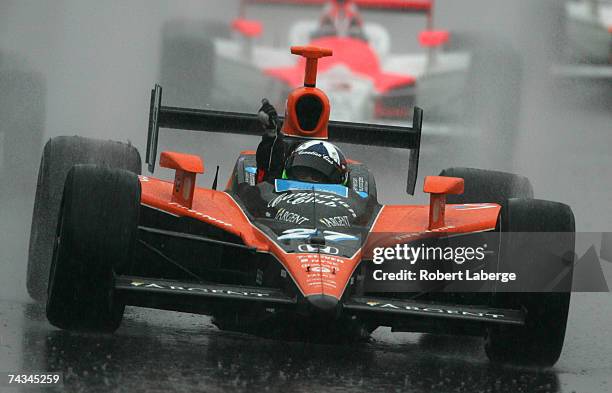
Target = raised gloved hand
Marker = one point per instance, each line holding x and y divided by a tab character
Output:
267	116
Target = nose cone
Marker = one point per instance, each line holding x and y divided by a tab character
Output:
323	303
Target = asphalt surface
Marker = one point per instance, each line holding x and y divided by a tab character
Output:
562	142
158	351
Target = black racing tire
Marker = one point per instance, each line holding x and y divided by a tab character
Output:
60	154
96	233
488	186
541	235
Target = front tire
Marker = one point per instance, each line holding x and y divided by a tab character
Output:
95	237
59	156
541	235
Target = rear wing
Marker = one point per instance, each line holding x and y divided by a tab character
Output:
413	6
404	6
248	124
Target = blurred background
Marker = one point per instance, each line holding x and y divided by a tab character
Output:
536	99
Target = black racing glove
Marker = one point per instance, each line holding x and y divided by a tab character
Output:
268	117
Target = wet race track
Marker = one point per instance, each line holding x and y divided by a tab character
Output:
561	140
164	351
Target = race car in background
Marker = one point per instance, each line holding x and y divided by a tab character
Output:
223	65
284	254
364	80
587	39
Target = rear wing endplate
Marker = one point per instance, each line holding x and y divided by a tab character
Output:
248	124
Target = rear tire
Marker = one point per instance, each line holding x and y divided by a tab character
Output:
545	258
488	186
95	236
59	156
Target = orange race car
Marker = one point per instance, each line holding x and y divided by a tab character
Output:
308	251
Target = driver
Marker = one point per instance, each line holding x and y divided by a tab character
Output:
316	162
340	18
278	156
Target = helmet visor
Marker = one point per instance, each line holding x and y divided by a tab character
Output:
308	175
313	169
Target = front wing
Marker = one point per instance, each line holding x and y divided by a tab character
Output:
204	297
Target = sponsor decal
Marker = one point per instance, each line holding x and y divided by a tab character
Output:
318	249
318	155
435	310
283	185
309	197
200	214
286	216
332	260
360	184
329	154
337	221
197	289
249	175
474	206
305	233
405	236
321	268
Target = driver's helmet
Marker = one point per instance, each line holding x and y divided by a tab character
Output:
340	18
317	162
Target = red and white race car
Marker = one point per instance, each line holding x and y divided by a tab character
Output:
364	79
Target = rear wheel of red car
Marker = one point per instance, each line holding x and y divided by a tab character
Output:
59	155
95	236
538	243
